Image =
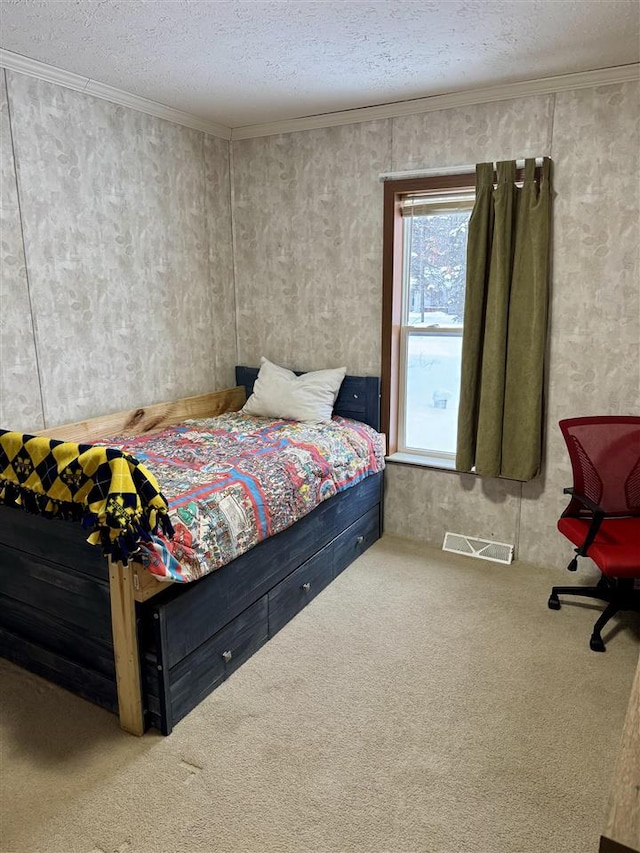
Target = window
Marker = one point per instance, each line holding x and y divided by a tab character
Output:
426	223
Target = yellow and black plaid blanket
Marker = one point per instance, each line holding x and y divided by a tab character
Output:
109	491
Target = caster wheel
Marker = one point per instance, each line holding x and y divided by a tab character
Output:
596	644
553	603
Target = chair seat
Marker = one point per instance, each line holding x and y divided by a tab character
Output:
616	548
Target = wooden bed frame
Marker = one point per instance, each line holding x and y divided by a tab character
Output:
151	651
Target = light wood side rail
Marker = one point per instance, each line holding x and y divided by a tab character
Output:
150	418
622	829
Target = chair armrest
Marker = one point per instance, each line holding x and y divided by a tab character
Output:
585	501
596	521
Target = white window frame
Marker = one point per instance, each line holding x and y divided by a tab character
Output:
439	202
405	333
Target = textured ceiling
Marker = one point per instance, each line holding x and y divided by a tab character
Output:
240	62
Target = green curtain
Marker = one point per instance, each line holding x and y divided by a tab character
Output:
505	320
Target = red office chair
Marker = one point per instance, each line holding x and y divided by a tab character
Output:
603	516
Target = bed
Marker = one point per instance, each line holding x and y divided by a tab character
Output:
147	650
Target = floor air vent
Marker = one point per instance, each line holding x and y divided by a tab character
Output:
484	549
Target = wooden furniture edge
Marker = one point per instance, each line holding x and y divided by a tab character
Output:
608	846
145	585
126	653
133	583
128	584
622	828
145	420
150	418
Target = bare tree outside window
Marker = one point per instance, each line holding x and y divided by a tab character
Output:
437	264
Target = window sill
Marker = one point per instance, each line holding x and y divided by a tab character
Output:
423	461
426	461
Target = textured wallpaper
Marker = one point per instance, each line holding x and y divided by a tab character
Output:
423	503
119	212
222	331
308	228
131	265
465	135
307	215
20	404
594	365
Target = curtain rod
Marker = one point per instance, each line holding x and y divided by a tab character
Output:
444	171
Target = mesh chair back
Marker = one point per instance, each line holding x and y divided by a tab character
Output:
605	457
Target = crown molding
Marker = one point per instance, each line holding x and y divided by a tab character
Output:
506	92
542	86
42	71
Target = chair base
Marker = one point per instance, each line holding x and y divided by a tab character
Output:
618	593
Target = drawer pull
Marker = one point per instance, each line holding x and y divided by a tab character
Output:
226	656
306	586
359	540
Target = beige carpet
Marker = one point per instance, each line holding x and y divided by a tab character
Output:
423	702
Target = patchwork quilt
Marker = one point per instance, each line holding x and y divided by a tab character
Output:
234	480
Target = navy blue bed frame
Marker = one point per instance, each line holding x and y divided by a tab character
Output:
55	615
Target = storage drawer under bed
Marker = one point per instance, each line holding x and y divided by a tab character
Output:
174	686
299	588
355	540
192	613
173	693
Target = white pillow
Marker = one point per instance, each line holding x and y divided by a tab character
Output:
279	393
